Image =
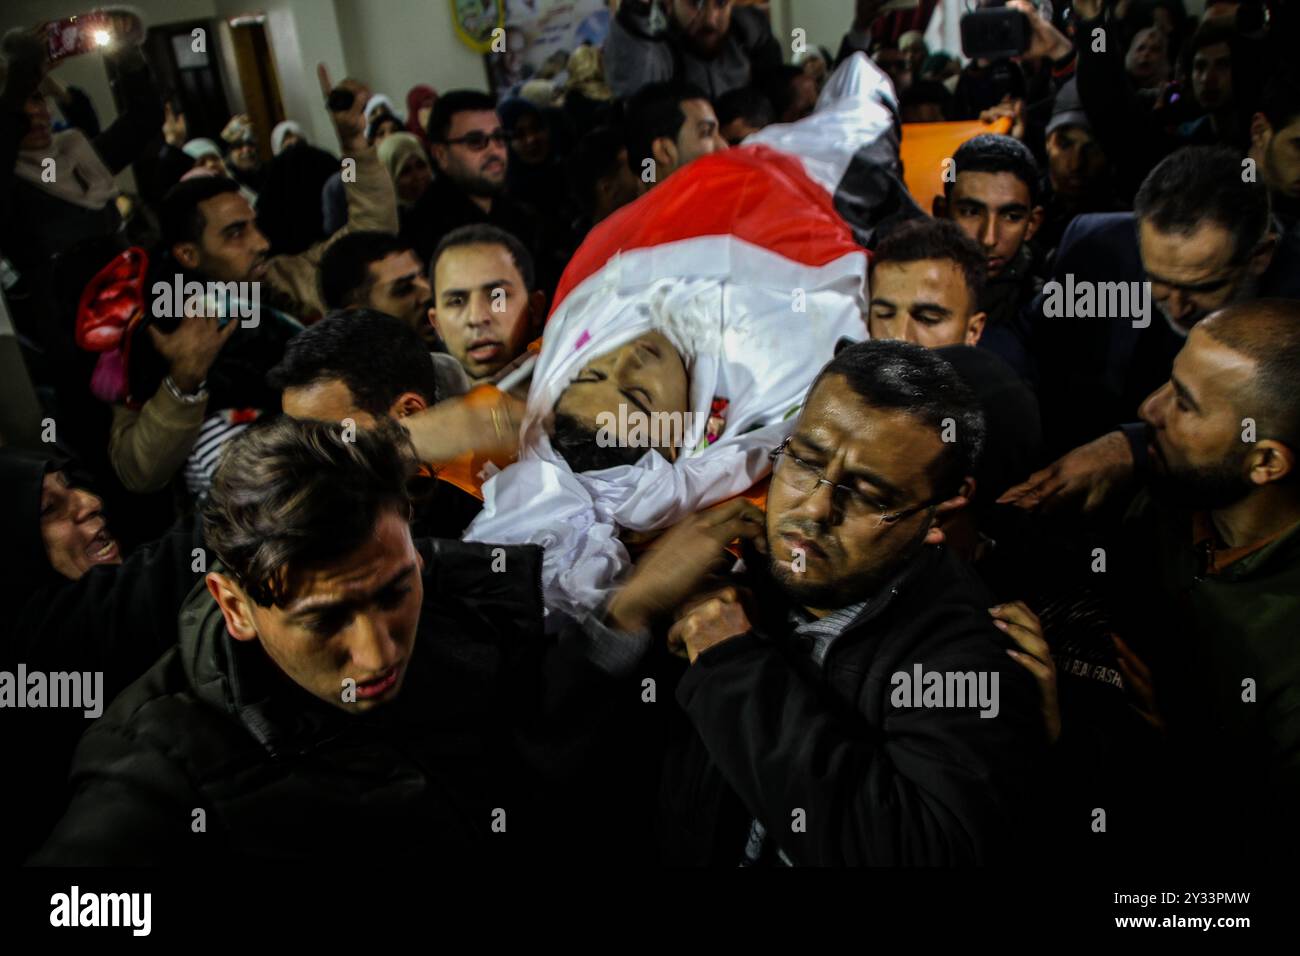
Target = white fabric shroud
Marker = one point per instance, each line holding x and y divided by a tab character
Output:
725	296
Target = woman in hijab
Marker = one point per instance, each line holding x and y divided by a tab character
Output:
419	106
408	165
73	603
289	208
284	135
208	161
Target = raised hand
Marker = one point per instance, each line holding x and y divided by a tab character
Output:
1034	655
173	128
191	348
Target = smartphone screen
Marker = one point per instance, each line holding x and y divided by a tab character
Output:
73	36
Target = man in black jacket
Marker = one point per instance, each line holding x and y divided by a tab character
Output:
469	149
335	685
856	705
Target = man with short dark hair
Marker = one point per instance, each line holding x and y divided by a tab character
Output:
468	144
803	691
667	127
367	367
925	101
599	176
376	270
742	111
925	281
791	91
486	306
1207	574
714	44
1275	150
1199	238
210	234
993	197
391	673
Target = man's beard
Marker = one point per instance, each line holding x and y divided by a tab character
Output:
844	592
1209	488
477	184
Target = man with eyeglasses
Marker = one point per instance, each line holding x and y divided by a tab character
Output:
1201	236
807	746
468	143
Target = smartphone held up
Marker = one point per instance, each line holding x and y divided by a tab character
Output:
97	30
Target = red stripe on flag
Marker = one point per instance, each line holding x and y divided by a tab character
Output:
754	193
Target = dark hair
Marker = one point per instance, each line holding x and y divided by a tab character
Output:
1199	184
375	355
655	111
1266	331
576	442
745	103
344	274
289	495
484	234
179	213
923	92
1280	102
451	103
778	86
916	240
593	158
381	117
900	376
1210	32
994	153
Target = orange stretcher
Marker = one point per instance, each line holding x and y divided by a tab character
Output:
924	147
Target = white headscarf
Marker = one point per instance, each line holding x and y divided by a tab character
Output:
377	102
199	147
282	130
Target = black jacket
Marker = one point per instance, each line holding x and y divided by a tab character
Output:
281	776
877	784
113	619
444	207
1093	373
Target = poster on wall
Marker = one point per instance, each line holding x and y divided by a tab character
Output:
539	36
475	21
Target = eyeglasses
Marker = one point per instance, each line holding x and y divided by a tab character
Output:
477	141
805	478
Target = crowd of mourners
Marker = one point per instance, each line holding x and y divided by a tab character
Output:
1013	575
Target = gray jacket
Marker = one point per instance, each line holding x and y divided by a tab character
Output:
636	53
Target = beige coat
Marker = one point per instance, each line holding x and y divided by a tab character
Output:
147	447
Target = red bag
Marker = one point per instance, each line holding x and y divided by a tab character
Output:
112	302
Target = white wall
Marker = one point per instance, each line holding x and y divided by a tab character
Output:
823	21
301	34
87	71
395	44
826	21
